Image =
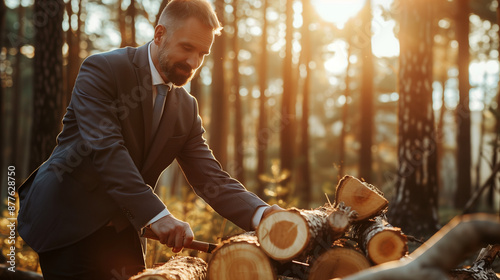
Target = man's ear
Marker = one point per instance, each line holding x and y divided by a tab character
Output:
160	32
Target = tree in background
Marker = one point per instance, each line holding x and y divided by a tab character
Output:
47	99
303	189
414	206
463	115
263	132
287	122
367	94
3	9
219	121
238	167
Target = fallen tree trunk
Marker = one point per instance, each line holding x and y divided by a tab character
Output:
177	268
441	253
240	257
380	241
481	268
365	199
338	262
290	235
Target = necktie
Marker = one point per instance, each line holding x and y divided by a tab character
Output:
161	92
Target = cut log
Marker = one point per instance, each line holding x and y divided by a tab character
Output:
290	235
340	220
441	253
380	241
365	199
481	268
338	262
240	257
177	268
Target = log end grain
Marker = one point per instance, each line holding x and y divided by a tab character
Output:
283	235
240	258
387	245
362	197
338	262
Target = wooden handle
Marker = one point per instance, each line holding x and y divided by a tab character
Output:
195	245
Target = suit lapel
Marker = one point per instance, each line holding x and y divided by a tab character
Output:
144	80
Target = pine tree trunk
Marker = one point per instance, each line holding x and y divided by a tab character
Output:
47	104
303	189
367	96
414	205
287	122
219	121
463	191
263	132
239	170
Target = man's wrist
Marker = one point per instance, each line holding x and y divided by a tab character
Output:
160	215
257	216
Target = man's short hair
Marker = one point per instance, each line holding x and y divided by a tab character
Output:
177	11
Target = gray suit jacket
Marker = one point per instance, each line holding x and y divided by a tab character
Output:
105	160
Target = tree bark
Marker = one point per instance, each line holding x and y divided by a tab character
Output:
18	92
414	206
177	268
47	104
481	268
219	121
463	110
367	96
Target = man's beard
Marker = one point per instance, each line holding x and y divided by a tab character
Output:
173	75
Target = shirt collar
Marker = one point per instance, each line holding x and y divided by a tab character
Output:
157	79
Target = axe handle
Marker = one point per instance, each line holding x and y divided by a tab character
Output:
195	245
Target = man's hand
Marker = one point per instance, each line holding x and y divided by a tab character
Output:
173	232
270	210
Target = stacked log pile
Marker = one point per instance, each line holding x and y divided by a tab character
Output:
333	241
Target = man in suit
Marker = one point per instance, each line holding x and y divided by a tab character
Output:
82	208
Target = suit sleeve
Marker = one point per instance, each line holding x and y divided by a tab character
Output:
94	102
204	173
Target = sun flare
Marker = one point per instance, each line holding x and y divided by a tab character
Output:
337	11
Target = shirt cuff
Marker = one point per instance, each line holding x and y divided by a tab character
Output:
258	216
162	214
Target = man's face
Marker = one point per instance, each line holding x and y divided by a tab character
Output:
180	54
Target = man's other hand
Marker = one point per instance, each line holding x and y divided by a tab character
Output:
172	232
270	210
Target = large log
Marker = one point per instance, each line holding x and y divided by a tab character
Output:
240	257
365	199
177	268
338	262
380	241
292	234
441	253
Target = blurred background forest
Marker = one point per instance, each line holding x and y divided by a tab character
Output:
295	95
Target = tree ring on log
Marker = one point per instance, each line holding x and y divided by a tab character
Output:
338	263
283	235
241	259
